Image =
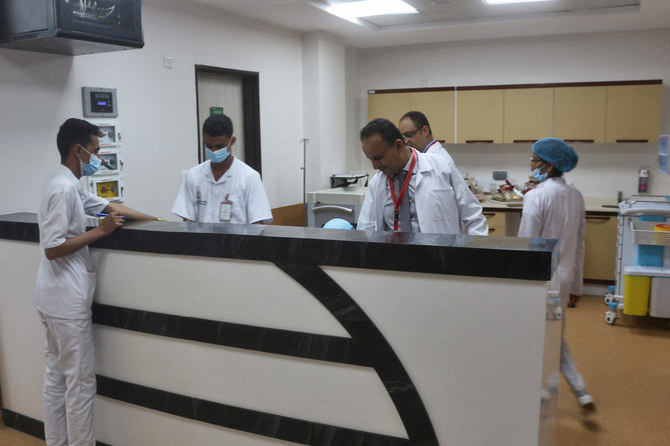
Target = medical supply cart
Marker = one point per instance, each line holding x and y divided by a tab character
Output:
643	259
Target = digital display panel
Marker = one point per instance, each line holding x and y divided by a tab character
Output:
102	102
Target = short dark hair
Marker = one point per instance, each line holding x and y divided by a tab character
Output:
218	125
418	118
74	131
383	127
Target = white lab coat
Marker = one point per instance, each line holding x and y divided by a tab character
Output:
443	200
200	196
555	210
438	149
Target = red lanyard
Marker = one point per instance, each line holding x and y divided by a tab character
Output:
397	201
425	149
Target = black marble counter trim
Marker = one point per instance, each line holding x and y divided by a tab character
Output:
261	423
23	423
249	337
502	257
27	425
390	370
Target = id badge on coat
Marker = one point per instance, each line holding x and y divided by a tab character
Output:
226	209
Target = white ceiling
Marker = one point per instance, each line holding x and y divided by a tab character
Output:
456	20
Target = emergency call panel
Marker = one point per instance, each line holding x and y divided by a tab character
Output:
99	102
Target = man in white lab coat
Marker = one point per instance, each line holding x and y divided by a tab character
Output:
556	210
66	281
223	189
416	130
414	192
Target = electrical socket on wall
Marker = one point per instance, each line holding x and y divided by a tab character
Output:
499	174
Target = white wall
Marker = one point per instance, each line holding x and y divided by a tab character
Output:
310	86
604	168
324	108
157	105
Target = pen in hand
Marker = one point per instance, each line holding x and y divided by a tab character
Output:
101	215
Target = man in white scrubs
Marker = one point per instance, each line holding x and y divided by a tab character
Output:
66	280
556	210
412	191
222	189
416	130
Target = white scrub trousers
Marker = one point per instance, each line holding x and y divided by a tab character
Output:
69	382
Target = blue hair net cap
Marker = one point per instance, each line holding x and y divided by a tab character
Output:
558	152
338	223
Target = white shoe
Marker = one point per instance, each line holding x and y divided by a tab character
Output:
586	402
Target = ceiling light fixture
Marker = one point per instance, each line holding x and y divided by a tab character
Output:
368	8
509	2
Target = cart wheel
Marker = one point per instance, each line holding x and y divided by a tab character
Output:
608	298
610	317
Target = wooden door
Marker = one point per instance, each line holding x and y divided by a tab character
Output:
600	238
479	116
439	108
579	113
388	105
633	113
528	114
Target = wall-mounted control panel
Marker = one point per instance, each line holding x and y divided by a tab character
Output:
99	102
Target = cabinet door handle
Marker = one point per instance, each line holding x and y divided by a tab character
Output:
580	140
492	230
486	141
525	140
598	218
488	214
632	140
331	207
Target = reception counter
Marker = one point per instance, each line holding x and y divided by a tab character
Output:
215	334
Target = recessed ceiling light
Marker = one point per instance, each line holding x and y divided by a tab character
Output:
508	2
368	8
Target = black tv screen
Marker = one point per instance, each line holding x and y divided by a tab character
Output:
111	18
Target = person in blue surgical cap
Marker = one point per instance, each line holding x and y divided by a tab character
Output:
556	210
338	223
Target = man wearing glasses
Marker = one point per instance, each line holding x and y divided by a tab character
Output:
416	130
223	189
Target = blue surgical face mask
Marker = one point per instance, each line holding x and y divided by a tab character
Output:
93	164
220	155
538	175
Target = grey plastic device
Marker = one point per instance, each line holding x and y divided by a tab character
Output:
99	102
499	174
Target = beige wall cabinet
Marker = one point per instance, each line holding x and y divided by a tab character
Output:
496	222
576	113
388	105
528	114
479	116
438	106
633	113
579	113
600	250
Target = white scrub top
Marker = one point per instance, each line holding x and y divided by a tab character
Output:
555	210
200	197
64	286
